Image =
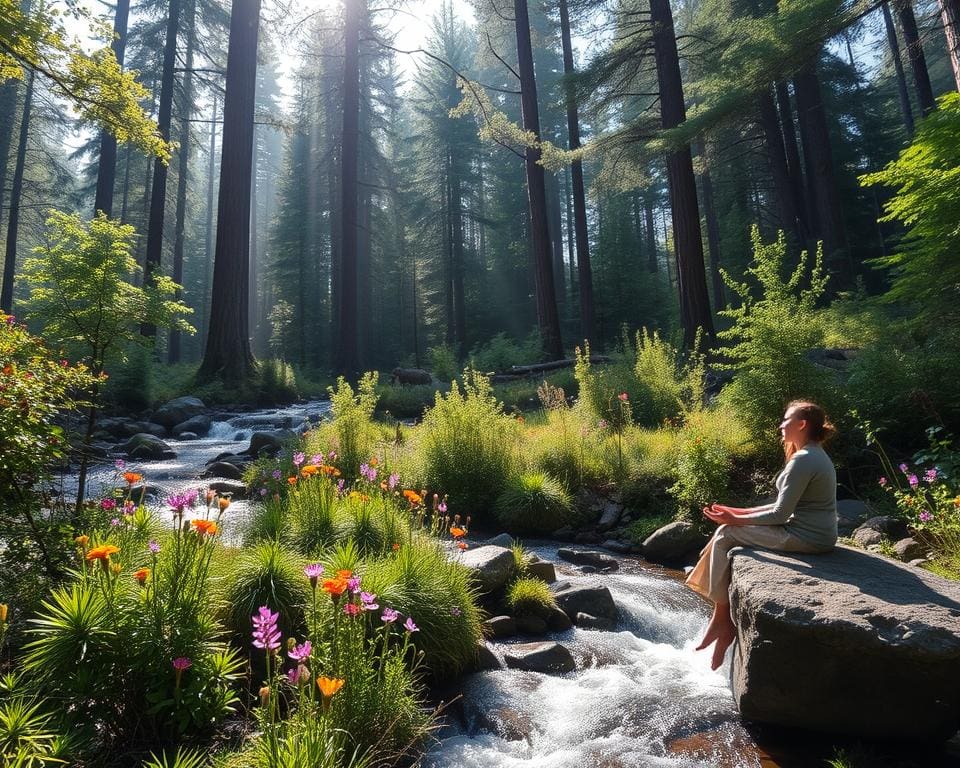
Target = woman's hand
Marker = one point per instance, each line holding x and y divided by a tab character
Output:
721	514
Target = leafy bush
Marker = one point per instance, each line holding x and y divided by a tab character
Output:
668	385
529	597
601	387
466	446
770	338
702	470
355	436
501	352
276	382
443	362
533	502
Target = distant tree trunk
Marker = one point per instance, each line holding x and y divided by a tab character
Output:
186	111
688	245
816	148
779	169
482	211
347	362
228	355
792	150
158	194
548	318
918	62
653	263
713	227
950	16
252	255
208	242
584	274
556	233
905	109
9	96
456	220
107	169
16	192
571	237
365	305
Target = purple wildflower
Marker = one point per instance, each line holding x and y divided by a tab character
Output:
410	626
393	480
115	522
317	458
340	486
180	501
903	468
368	601
298	675
182	663
930	475
455	610
265	632
301	652
332	456
912	479
276	474
263	491
298	458
389	616
353	584
313	572
925	517
120	464
129	507
107	504
154	546
442	507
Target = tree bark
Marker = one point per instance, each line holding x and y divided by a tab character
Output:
16	192
904	97
794	168
556	234
158	194
779	170
691	273
186	110
584	272
713	228
817	150
208	242
456	221
950	16
347	361
228	355
918	62
9	96
548	318
107	169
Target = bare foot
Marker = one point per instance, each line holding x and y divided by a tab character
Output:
724	641
720	624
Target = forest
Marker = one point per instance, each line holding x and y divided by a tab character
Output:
348	287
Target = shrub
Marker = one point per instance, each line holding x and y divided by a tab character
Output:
668	384
533	502
501	352
601	387
770	338
443	362
355	436
276	382
529	597
466	445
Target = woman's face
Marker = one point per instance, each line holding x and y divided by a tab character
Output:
792	427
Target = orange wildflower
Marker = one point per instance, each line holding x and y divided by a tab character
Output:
457	533
292	479
462	545
82	541
132	477
102	552
330	470
142	575
413	497
396	547
204	527
223	503
373	462
308	470
334	587
344	574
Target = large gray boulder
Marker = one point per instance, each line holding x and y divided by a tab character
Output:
178	411
598	560
199	425
588	598
146	447
269	442
846	642
490	567
673	543
545	656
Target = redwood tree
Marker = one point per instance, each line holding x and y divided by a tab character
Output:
107	168
228	355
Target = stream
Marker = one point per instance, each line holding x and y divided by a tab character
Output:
640	696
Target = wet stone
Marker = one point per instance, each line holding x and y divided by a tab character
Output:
500	626
540	657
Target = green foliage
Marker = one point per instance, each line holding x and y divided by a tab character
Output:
602	386
281	328
501	352
669	386
771	335
182	758
354	435
82	290
94	84
641	529
533	502
926	177
27	734
276	382
132	379
702	467
466	446
529	597
443	362
266	574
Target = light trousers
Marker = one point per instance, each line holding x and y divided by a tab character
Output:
710	577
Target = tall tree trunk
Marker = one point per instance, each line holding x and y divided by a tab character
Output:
183	169
584	274
556	233
107	169
691	273
254	286
208	242
446	237
905	109
9	96
816	148
365	303
779	170
794	167
456	220
228	355
713	227
347	362
548	319
571	237
918	62
16	192
653	263
158	194
950	16
125	199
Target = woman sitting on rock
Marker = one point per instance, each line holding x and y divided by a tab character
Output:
802	519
